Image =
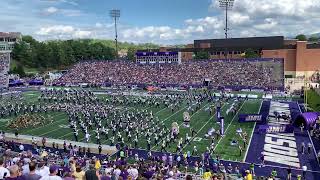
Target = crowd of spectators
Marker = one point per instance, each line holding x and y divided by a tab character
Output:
48	164
4	68
315	78
221	73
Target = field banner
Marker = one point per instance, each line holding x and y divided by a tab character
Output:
250	118
222	125
276	128
218	112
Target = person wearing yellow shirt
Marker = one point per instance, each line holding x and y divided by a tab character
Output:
97	164
249	175
207	175
79	173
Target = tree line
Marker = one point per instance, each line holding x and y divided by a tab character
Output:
312	38
60	54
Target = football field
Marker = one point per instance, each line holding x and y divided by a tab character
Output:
201	122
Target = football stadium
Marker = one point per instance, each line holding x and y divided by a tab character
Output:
244	107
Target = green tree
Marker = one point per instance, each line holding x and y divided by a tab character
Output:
131	53
313	38
29	39
18	70
42	59
61	54
249	53
22	53
202	55
301	37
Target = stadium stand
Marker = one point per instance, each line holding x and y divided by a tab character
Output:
74	164
315	77
4	68
246	73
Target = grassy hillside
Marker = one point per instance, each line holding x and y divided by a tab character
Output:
314	100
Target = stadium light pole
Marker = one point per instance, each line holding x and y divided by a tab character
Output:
115	14
226	5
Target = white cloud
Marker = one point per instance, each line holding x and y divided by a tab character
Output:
82	34
56	29
71	12
74	3
51	10
98	25
51	19
65	12
238	18
265	17
268	24
63	32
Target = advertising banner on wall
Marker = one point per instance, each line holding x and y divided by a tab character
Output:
276	128
250	118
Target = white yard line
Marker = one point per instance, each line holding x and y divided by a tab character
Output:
229	125
174	114
182	122
201	128
196	112
161	110
314	150
254	127
65	135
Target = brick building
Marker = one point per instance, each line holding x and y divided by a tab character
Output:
300	57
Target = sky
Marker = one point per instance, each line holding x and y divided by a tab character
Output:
166	22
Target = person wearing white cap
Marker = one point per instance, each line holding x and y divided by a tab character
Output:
170	175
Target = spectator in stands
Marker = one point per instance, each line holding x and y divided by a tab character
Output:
222	73
304	171
207	175
53	174
4	172
92	173
15	173
133	172
79	173
188	177
32	174
171	176
248	175
43	170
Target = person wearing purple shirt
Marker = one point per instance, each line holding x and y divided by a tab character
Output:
215	167
105	178
124	174
148	174
164	158
32	175
170	159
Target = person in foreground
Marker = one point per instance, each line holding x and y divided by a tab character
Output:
53	174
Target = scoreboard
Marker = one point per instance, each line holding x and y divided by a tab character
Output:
158	57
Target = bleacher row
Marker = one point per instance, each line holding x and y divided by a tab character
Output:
107	167
237	73
4	68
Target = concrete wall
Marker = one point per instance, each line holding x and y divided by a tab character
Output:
289	56
298	62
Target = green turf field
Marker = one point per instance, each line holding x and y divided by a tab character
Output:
201	121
